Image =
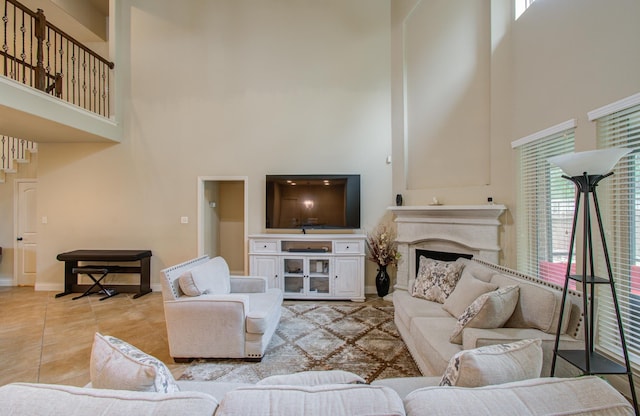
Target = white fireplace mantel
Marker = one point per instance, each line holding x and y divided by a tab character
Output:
468	229
470	214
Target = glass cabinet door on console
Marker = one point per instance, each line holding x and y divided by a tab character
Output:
318	276
306	276
293	276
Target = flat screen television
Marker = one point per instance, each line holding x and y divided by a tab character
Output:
313	201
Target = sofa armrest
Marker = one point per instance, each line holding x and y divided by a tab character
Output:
248	284
207	326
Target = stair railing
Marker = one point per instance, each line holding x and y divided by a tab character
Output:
12	151
39	54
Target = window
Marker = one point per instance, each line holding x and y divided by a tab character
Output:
521	6
546	204
618	125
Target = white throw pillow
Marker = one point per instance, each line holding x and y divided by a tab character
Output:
212	277
436	279
495	364
466	291
118	365
489	310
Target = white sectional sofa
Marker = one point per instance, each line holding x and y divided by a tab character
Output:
427	326
583	395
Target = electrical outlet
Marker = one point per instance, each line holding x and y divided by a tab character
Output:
184	220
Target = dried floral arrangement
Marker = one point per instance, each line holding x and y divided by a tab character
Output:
383	249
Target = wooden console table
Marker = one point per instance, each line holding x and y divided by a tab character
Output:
72	258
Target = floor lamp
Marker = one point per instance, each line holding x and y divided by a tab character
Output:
586	170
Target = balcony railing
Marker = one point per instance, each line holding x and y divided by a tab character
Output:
37	53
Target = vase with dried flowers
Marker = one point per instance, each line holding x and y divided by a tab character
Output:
383	250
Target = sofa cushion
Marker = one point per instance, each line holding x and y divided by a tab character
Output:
466	291
406	307
51	399
313	378
116	364
538	307
494	364
540	396
212	277
489	310
431	339
436	279
328	399
478	270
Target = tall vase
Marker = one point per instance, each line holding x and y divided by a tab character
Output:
382	281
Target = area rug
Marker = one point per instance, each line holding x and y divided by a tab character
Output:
360	338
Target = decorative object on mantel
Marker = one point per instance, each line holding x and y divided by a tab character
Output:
586	170
383	251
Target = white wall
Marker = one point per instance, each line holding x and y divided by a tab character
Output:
222	88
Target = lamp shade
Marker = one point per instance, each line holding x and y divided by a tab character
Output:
593	162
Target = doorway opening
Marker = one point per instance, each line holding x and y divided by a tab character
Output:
222	220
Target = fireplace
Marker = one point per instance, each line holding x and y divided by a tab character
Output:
471	230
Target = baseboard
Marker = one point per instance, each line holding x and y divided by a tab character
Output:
370	290
49	287
6	281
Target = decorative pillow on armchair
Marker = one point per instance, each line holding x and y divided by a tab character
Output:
489	310
436	279
118	365
212	277
495	364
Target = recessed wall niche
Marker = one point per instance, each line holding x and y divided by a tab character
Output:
447	59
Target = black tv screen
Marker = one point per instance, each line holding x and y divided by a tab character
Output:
313	201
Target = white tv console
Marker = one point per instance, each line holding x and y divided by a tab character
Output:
311	266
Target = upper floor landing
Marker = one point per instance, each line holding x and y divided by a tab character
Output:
56	82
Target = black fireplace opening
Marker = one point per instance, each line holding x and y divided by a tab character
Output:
438	255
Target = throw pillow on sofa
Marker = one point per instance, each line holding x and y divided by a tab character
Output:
495	364
118	365
212	277
489	310
436	279
467	290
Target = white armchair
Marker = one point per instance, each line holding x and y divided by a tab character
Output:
224	316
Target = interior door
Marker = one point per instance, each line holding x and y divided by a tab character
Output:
26	233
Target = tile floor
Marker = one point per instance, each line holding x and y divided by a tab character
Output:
48	340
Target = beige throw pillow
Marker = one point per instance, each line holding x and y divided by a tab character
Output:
436	279
495	364
489	310
118	365
212	277
466	291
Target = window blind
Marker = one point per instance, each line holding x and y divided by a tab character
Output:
545	207
619	199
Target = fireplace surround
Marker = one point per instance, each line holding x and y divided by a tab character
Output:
465	229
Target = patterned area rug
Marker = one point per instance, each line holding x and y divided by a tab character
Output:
356	337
